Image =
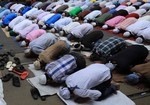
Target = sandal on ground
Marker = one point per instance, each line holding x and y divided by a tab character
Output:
12	67
24	75
8	65
2	64
34	92
77	47
43	98
7	77
19	68
16	81
17	60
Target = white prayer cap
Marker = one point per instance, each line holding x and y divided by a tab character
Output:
105	26
37	65
93	23
116	30
40	23
6	28
27	50
44	27
77	18
139	40
42	79
85	21
23	44
126	34
61	33
35	21
53	30
110	65
18	37
52	25
64	92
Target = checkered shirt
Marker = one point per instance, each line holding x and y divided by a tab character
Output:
61	68
109	46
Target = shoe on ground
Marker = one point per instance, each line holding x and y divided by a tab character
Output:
17	61
7	77
34	93
16	81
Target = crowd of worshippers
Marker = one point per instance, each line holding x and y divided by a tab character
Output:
41	26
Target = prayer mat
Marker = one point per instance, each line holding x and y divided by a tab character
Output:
34	81
115	99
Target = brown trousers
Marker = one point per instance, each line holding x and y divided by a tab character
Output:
54	52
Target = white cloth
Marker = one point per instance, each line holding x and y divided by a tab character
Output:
2	101
108	3
110	6
39	3
130	9
81	30
140	12
112	100
36	13
19	6
87	78
57	6
52	5
102	4
145	6
62	22
13	6
147	18
22	25
45	18
70	26
144	33
120	7
30	12
138	26
92	15
27	30
15	21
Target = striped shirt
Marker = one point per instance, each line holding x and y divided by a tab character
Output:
61	68
123	25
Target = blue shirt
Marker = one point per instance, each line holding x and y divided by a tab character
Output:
9	18
53	19
26	10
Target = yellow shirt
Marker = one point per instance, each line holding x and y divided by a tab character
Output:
93	1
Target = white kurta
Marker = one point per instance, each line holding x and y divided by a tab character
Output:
138	26
15	21
87	78
70	26
62	22
92	15
22	25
